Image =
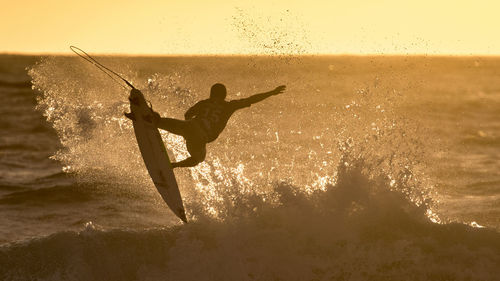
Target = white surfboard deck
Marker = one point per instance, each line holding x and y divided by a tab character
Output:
155	155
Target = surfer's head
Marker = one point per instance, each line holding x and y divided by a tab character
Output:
218	92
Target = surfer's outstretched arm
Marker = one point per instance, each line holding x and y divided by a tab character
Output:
260	97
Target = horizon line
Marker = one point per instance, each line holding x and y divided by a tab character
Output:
251	54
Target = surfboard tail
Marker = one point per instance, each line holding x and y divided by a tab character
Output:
182	215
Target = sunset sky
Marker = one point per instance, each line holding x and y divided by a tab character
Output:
249	27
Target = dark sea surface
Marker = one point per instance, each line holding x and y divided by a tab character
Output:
366	168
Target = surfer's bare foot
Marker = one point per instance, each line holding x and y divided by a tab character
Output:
130	115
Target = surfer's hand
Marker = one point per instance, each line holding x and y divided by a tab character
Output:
279	89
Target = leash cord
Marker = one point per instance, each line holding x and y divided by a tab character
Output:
100	66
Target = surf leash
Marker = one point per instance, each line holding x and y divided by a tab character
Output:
81	53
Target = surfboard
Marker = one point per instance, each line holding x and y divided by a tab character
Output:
154	154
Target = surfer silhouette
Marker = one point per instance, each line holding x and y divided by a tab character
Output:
205	120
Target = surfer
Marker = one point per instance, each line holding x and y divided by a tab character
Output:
205	120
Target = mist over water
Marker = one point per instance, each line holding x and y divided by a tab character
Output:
357	172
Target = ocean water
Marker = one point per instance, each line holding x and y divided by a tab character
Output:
366	168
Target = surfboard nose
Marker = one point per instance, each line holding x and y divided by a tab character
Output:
134	99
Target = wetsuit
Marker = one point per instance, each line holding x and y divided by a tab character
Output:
204	123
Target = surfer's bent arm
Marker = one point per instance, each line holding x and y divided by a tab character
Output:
259	97
192	111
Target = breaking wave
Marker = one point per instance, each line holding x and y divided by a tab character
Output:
356	229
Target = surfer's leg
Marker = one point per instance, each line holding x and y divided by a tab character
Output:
197	150
178	127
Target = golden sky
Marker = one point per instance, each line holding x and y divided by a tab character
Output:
258	26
